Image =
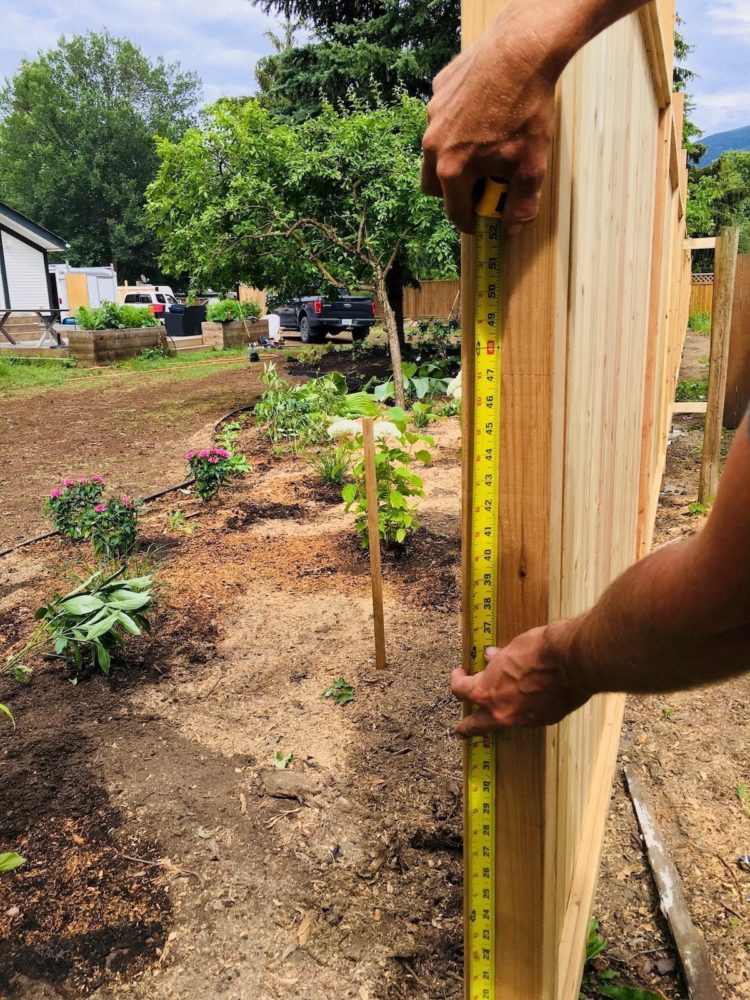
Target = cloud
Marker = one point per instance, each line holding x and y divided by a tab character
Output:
721	110
731	18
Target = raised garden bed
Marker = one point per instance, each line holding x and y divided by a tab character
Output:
103	347
223	335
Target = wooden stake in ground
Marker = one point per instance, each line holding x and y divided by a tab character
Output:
721	321
373	534
691	945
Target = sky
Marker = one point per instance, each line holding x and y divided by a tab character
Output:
222	39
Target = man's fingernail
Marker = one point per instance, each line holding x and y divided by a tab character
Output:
489	651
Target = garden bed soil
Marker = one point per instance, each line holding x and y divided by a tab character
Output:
342	877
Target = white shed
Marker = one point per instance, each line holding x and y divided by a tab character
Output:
24	277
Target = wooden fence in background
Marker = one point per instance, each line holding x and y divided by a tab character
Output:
738	366
702	293
595	314
432	300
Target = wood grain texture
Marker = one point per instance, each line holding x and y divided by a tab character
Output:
595	300
721	321
691	945
373	536
737	395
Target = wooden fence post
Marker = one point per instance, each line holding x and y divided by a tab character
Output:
373	534
738	367
721	320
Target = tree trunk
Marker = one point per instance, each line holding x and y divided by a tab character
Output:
394	283
391	328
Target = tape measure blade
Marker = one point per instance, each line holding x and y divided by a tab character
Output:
484	543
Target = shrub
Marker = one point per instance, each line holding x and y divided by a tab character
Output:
301	413
112	316
693	389
89	622
332	465
231	311
211	467
67	507
113	526
396	450
439	339
420	381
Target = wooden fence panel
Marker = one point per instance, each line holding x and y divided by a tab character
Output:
702	296
595	305
738	372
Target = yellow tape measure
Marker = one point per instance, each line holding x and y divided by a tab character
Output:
484	521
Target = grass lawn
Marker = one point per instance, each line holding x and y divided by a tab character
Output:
18	374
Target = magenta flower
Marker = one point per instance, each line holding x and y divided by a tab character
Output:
98	479
55	494
221	452
83	482
100	508
204	453
213	460
68	482
190	455
125	500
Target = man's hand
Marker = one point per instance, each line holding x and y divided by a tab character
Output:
493	115
522	685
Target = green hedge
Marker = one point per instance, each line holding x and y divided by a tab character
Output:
231	311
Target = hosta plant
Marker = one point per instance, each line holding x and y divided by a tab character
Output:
397	449
112	527
68	505
86	625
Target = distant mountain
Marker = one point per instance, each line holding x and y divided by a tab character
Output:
725	142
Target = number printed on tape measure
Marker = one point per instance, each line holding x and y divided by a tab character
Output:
480	805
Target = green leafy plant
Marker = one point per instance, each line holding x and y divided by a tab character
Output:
112	527
396	450
67	506
743	796
451	409
420	381
85	625
666	712
692	389
332	465
231	311
700	322
112	316
598	982
227	439
422	414
177	522
301	413
282	760
10	861
152	354
212	467
698	509
437	338
341	691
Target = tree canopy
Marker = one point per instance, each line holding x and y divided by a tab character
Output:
367	50
332	201
720	197
77	149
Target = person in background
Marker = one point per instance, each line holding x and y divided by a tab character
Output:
681	617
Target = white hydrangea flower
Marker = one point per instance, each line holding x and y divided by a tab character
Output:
385	429
342	428
454	387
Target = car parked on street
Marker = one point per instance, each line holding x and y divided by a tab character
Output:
158	302
316	315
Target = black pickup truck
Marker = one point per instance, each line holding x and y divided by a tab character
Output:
316	315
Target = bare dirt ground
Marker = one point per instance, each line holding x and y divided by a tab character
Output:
168	857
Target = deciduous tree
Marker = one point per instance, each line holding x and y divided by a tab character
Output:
335	199
76	144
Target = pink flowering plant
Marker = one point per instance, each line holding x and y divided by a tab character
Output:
68	505
112	527
211	467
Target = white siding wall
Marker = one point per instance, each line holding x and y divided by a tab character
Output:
27	274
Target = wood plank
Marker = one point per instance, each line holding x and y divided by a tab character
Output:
738	366
373	535
721	320
658	54
689	406
691	945
700	243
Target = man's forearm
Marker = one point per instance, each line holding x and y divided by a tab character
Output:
659	627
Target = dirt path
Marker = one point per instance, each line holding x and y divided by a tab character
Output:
132	430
